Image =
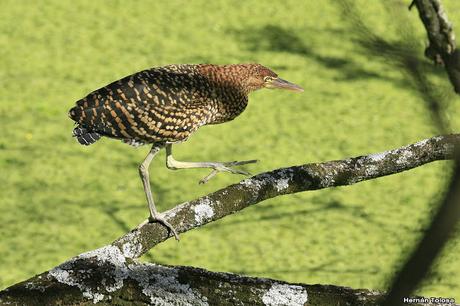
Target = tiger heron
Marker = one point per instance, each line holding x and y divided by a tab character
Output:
165	105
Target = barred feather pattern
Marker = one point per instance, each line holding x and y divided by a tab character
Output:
84	136
165	104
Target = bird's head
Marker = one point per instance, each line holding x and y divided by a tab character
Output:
256	76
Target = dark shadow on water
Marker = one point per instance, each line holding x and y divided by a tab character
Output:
271	217
326	267
274	38
277	39
356	214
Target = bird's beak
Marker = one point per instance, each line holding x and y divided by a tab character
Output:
283	84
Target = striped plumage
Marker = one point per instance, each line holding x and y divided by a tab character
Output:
166	104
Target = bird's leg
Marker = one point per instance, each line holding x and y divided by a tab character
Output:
144	173
217	167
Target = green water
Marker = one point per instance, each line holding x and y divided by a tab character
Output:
58	199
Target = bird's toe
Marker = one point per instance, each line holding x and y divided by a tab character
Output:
163	221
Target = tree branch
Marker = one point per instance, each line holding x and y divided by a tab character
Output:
442	48
258	188
95	277
438	26
112	275
105	277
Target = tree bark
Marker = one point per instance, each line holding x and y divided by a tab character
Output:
258	188
111	274
98	277
442	47
105	277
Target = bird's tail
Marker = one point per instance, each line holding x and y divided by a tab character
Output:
84	136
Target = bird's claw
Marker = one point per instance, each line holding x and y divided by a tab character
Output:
227	167
163	221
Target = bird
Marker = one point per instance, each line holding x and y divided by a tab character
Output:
162	106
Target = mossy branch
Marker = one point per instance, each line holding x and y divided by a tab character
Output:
111	274
442	47
94	278
105	277
263	186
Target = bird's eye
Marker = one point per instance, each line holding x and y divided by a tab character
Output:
268	78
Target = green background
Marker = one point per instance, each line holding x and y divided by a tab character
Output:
59	199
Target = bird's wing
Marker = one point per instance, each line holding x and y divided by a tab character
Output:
138	108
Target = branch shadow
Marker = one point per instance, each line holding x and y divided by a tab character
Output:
324	267
403	54
356	214
273	38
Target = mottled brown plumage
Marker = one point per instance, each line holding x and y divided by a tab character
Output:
166	105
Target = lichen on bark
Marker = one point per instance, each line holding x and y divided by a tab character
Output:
111	275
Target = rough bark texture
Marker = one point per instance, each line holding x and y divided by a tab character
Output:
258	188
442	48
105	277
111	275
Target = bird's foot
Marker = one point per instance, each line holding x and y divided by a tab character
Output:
227	167
160	219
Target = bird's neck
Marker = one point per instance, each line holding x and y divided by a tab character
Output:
230	78
229	95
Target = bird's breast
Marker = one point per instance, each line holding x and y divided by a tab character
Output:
224	110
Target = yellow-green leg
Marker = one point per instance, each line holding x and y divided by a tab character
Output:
144	173
217	167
